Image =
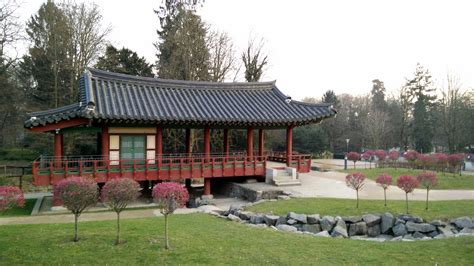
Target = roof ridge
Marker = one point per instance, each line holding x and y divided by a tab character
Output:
180	83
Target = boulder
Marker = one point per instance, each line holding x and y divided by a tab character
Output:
418	235
463	222
301	218
352	219
371	219
281	220
387	222
313	218
291	221
312	228
410	218
339	229
373	231
244	215
283	197
467	231
286	228
256	219
399	221
408	237
446	231
322	234
359	228
270	219
399	229
234	218
423	227
398	238
433	233
327	223
438	223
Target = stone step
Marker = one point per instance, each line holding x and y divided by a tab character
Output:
285	181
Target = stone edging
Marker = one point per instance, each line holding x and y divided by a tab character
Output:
373	227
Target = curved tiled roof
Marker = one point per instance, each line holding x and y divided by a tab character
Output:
118	98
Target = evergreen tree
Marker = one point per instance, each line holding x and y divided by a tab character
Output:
378	96
124	61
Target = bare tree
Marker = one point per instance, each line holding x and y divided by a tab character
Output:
406	104
88	37
254	60
10	28
375	128
222	56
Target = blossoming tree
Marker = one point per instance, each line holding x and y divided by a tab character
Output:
11	197
356	182
384	181
407	183
427	180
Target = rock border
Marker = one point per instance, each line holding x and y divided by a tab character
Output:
369	227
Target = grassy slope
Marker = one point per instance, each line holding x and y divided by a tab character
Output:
445	181
346	207
203	239
29	204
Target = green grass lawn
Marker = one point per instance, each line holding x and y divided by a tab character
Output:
29	204
445	181
347	207
204	239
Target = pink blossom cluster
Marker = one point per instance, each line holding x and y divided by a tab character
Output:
407	183
76	193
411	155
117	193
456	159
353	156
384	180
427	180
169	196
355	180
381	155
11	197
393	155
368	155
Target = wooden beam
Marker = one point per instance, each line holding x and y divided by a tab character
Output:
159	141
61	125
105	142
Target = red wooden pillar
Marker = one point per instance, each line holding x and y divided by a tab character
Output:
226	142
58	148
250	143
289	144
207	154
159	145
260	143
105	142
188	141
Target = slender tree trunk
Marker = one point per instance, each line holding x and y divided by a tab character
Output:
167	244
427	192
406	199
357	193
118	229
354	165
76	216
385	196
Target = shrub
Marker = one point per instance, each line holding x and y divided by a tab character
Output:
117	194
169	196
384	181
441	161
427	180
353	156
407	183
355	181
11	197
411	157
368	156
76	194
393	156
455	161
425	160
381	155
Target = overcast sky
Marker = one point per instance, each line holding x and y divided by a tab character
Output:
314	46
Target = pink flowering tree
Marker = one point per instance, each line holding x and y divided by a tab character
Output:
427	180
384	181
356	182
455	161
169	196
368	157
117	194
393	156
381	155
407	183
411	157
441	161
353	156
11	197
77	194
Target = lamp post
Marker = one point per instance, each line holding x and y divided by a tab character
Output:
347	151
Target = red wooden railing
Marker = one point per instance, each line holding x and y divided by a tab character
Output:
50	170
302	162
